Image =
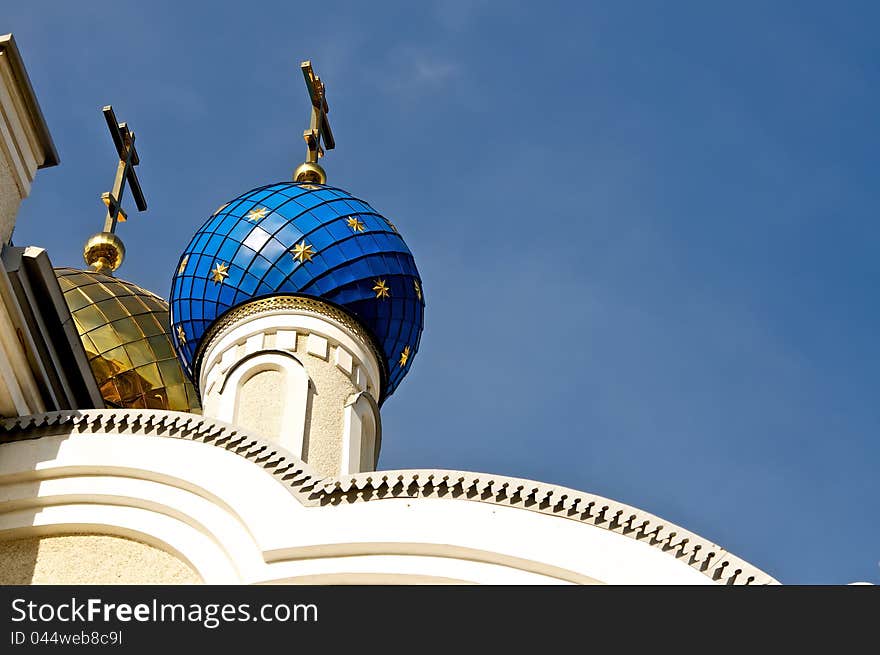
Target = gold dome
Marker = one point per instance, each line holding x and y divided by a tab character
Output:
124	330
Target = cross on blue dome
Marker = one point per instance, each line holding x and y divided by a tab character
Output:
306	239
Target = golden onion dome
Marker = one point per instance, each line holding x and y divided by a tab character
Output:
124	330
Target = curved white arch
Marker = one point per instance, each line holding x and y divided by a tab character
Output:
233	521
361	434
224	396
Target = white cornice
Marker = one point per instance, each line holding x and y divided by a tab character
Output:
313	490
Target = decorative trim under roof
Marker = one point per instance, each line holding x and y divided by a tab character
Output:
290	302
314	490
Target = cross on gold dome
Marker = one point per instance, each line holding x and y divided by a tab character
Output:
123	139
104	251
319	136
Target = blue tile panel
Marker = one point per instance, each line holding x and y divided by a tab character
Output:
255	235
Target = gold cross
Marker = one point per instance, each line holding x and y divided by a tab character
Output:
319	126
123	139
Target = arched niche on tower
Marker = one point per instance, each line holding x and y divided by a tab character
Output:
270	393
362	434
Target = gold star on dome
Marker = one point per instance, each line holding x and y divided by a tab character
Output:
404	356
355	224
303	252
391	225
181	335
182	264
256	214
218	273
381	289
418	289
220	209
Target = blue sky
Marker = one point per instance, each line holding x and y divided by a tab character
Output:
647	231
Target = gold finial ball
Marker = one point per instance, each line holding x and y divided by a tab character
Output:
310	172
104	252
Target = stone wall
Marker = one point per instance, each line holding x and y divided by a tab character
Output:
89	559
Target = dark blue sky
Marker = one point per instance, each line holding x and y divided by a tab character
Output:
647	231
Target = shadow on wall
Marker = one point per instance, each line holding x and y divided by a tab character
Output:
19	559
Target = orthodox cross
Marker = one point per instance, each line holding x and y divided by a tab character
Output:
319	127
123	139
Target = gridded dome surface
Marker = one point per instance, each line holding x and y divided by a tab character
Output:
305	239
124	330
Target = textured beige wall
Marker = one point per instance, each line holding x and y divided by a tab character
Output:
259	403
89	559
10	198
325	419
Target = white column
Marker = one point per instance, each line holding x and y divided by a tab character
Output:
25	146
25	143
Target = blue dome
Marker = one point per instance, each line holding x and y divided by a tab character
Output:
305	239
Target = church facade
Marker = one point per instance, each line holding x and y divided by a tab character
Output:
231	433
